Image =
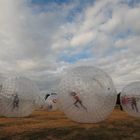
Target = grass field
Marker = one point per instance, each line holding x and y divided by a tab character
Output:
43	125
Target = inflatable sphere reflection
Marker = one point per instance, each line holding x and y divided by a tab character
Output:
18	97
86	94
130	99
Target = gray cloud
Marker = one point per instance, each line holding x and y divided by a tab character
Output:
32	39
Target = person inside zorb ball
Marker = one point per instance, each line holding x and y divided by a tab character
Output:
51	101
18	97
86	94
130	99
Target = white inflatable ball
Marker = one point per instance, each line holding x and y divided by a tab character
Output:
86	94
18	97
51	102
2	79
39	102
130	99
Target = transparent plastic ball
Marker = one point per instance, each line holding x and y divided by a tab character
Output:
51	102
130	99
39	102
18	97
86	94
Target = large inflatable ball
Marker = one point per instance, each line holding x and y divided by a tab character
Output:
18	97
86	94
2	79
39	102
51	102
130	99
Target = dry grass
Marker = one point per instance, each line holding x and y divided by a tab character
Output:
43	125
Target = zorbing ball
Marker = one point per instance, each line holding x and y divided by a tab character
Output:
130	99
2	78
39	102
86	94
51	102
18	97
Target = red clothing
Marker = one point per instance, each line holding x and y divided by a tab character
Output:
76	97
125	100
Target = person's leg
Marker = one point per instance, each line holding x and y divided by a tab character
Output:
132	105
75	103
82	105
17	104
136	107
50	107
121	107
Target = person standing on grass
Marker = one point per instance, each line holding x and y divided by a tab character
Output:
118	101
16	101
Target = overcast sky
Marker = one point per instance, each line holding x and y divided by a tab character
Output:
38	38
